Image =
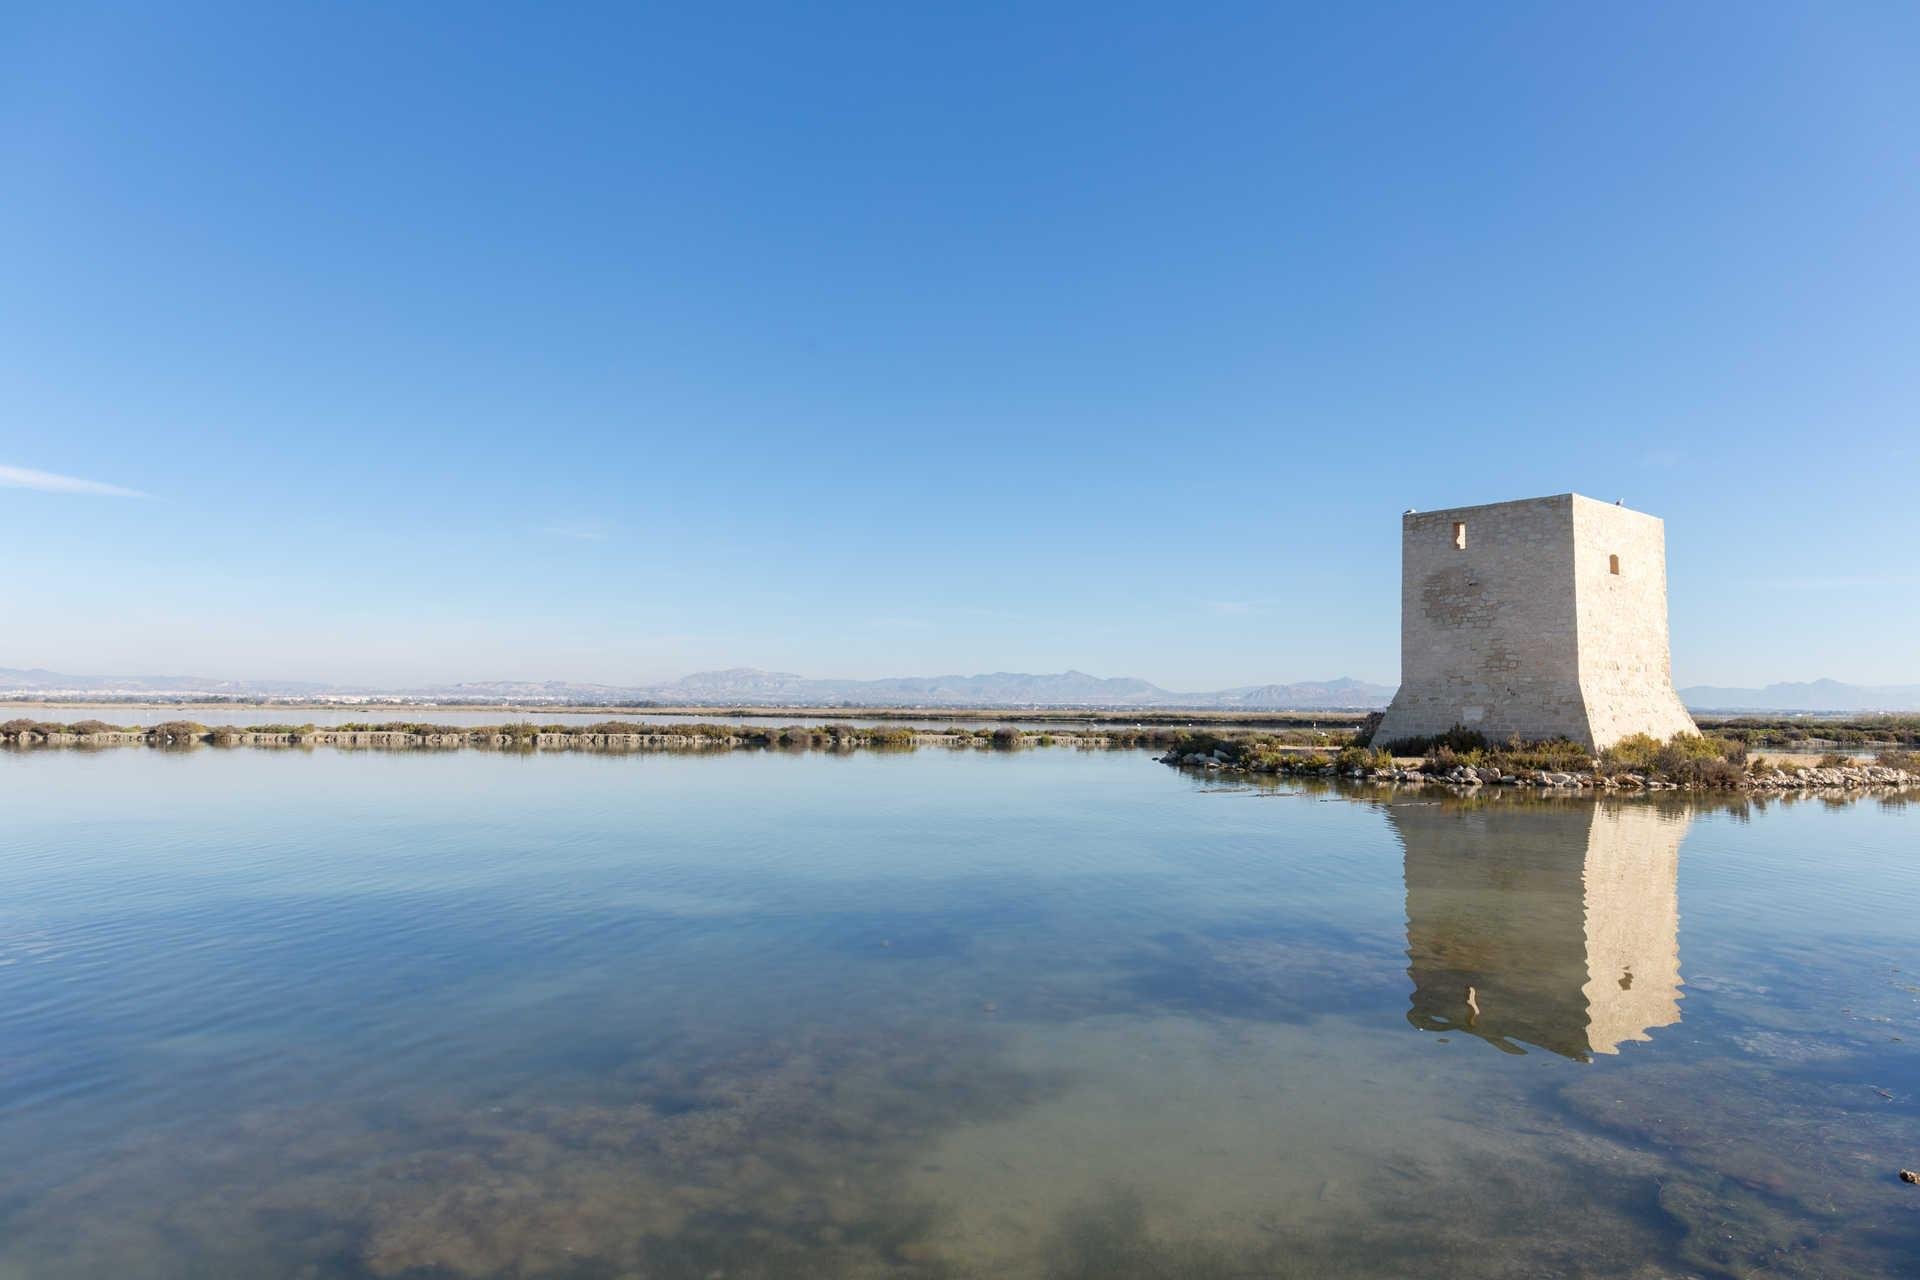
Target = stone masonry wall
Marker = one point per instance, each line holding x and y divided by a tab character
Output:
1526	630
1488	631
1626	670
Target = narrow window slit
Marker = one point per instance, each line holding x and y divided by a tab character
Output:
1613	564
1460	537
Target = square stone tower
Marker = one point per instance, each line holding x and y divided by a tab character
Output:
1543	618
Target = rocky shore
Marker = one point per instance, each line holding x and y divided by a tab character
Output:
1846	777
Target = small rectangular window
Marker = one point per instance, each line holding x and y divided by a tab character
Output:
1613	564
1460	534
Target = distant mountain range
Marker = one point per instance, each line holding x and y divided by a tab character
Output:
1805	695
739	686
1011	688
749	686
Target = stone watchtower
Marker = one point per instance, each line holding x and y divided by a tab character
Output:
1543	618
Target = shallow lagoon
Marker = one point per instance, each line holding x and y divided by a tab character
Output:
1054	1013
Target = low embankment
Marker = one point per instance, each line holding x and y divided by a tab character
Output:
1460	758
610	735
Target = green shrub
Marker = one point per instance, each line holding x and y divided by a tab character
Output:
1353	757
1444	759
1260	756
1707	771
1462	739
1203	743
1899	730
616	727
1635	751
1458	742
1698	746
1555	755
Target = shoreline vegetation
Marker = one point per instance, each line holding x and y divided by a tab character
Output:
1725	760
514	711
1810	732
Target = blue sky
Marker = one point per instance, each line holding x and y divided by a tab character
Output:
467	342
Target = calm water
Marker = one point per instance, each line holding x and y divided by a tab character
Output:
1048	1014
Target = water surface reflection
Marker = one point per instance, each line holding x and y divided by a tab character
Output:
1056	1016
1554	927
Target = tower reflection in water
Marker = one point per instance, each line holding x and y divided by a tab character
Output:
1553	926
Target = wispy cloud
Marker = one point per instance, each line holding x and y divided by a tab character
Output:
48	482
577	532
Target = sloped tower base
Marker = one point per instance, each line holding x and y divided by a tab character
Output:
1551	713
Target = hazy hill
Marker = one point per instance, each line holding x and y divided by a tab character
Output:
998	688
1008	688
1805	695
747	686
1343	692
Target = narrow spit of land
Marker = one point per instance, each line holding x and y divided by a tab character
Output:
1694	762
218	711
603	736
